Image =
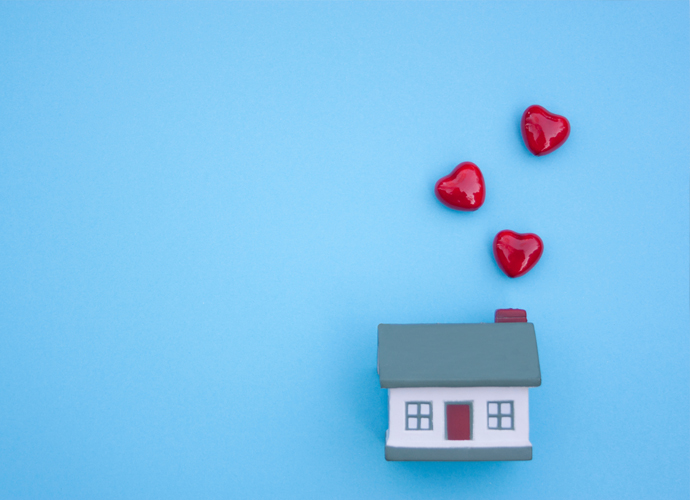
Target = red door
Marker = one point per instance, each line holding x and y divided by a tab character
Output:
458	422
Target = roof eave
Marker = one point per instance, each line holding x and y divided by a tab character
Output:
399	384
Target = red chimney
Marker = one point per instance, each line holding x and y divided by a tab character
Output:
510	316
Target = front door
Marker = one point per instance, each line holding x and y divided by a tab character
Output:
458	422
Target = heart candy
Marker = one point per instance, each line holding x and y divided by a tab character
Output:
463	189
517	253
543	132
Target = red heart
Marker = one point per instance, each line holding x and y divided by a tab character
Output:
463	189
517	253
543	132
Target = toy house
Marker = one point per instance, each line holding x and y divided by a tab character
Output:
459	391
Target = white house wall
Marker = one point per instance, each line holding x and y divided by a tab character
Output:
479	397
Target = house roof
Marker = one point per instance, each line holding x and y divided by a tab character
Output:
458	355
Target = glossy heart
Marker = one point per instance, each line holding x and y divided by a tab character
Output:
517	253
463	188
543	132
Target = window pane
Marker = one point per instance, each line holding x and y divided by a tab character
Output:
425	409
493	408
493	423
505	409
411	423
411	408
425	423
506	422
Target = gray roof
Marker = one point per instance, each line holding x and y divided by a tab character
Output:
460	355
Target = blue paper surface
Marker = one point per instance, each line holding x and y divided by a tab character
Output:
207	209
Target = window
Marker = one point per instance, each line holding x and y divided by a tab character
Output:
418	416
501	415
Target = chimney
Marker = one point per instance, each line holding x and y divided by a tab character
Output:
510	316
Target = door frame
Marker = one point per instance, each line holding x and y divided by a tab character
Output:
445	417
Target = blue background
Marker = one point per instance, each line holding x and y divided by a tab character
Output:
206	210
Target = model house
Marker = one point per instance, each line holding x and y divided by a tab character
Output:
459	391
